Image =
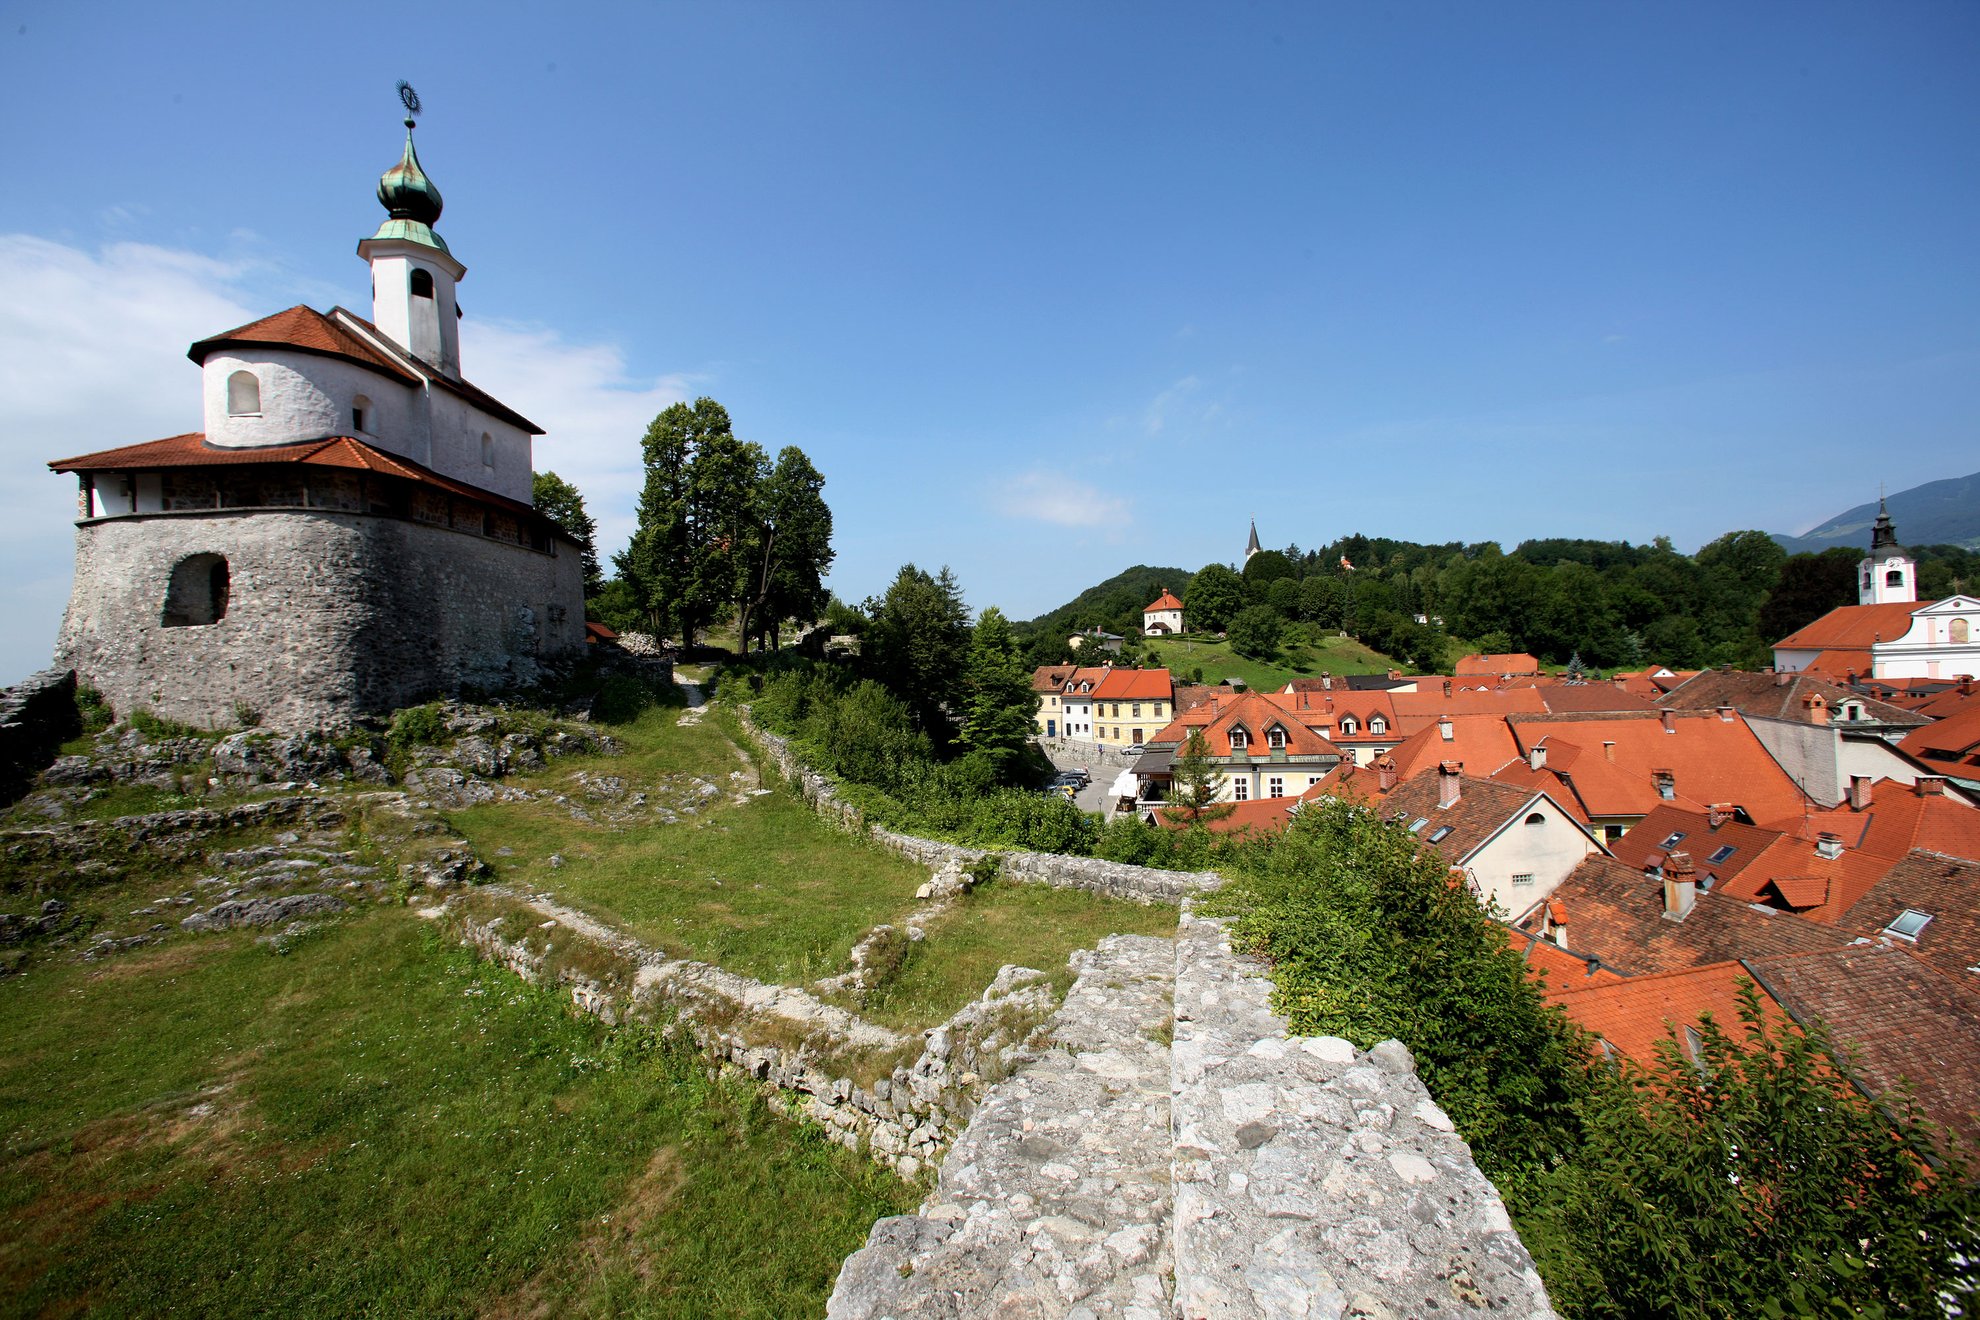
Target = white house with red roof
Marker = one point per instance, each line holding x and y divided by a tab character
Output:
1164	615
350	531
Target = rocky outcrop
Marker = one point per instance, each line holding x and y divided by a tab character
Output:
160	836
261	911
1315	1179
37	715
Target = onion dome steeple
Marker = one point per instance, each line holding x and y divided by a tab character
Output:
411	200
1883	533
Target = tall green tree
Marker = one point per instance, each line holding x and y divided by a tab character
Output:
559	501
660	560
1809	586
1194	782
1256	631
917	642
790	548
1216	594
999	705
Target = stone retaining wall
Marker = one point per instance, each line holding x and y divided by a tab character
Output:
37	715
813	1054
1141	884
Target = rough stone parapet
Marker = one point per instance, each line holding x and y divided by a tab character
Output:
815	1055
1316	1180
1055	1201
37	715
1141	884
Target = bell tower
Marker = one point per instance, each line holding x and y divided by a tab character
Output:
413	275
1888	574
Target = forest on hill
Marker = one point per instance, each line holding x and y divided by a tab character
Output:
1604	604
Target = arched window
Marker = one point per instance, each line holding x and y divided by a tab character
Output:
243	395
422	283
1866	579
197	592
487	450
1894	578
1959	631
361	414
1537	818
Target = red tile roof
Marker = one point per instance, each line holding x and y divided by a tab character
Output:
308	331
1416	709
1853	627
1953	742
1515	662
1615	914
1258	816
1257	715
1135	685
1945	888
1050	678
1165	601
1839	663
1483	743
1777	696
1557	966
1903	1018
342	451
1634	1013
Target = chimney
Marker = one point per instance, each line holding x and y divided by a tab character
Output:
1450	783
1326	681
1669	718
1619	681
1718	814
1447	689
1966	685
1783	678
1536	757
1680	886
1557	924
1386	768
1817	708
1828	846
1394	674
1726	714
1608	749
1859	792
1445	730
1666	783
1929	785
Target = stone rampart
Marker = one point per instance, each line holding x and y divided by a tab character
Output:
326	615
1315	1179
1142	884
37	715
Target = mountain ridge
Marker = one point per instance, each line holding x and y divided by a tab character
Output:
1937	513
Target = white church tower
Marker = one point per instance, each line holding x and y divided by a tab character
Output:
413	275
1887	575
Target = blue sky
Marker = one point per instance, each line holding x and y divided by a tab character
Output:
1046	290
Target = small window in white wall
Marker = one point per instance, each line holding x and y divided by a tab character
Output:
243	395
487	450
361	414
1894	578
422	283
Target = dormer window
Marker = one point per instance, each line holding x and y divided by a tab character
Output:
1378	726
1240	739
1275	738
243	395
361	415
422	283
1348	726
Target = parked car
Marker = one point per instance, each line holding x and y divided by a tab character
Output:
1077	777
1135	750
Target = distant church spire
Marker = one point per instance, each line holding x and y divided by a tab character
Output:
1252	547
1884	534
1887	575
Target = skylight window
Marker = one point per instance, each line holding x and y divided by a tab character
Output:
1416	826
1720	854
1672	840
1908	923
1440	833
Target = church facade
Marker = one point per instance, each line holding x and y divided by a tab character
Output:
350	532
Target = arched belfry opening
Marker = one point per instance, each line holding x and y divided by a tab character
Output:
197	593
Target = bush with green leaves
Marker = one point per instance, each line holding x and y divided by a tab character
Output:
1751	1180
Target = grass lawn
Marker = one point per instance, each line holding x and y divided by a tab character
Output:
764	887
1335	655
379	1124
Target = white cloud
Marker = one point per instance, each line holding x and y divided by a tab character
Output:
1164	405
592	410
92	355
1045	496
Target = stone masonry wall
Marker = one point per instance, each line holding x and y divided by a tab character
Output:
329	616
1142	884
37	715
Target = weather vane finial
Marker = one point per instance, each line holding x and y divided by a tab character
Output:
410	99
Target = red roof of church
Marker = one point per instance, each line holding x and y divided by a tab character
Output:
342	451
1854	627
1165	601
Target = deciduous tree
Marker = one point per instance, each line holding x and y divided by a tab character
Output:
559	501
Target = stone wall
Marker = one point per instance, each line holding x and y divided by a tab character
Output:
329	616
1142	884
37	715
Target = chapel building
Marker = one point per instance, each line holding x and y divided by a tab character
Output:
350	531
